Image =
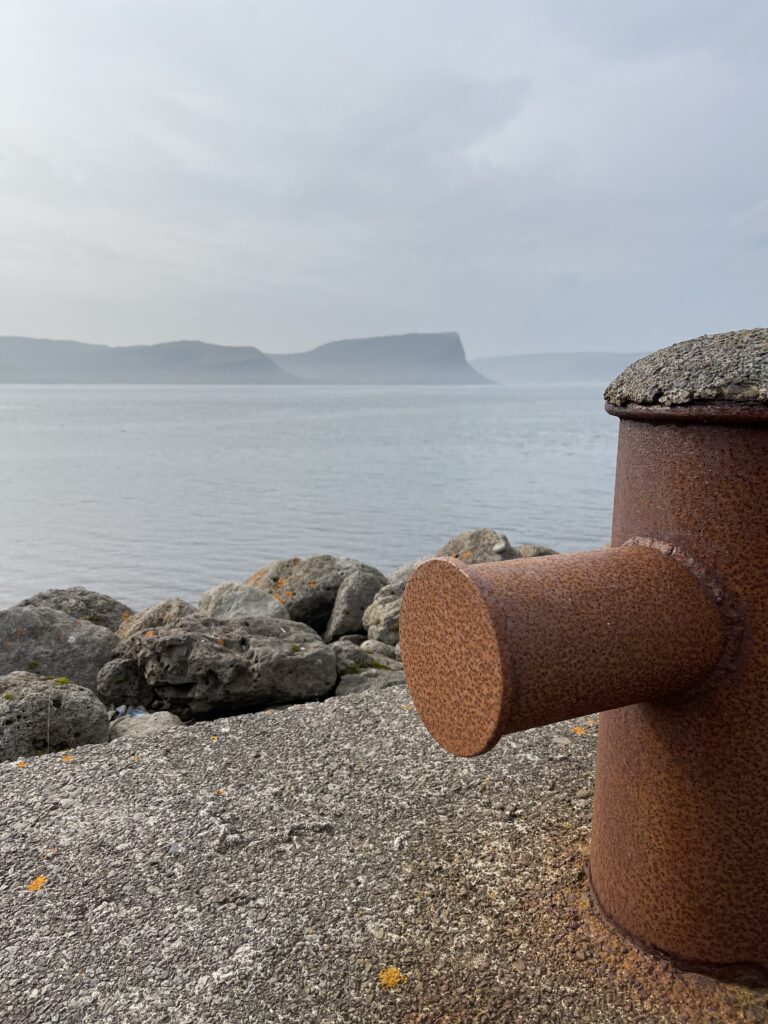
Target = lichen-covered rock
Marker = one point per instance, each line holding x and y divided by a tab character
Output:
200	667
351	660
308	587
533	550
121	682
381	618
356	592
370	679
165	613
144	725
53	644
38	716
404	572
239	601
479	546
353	638
80	603
377	649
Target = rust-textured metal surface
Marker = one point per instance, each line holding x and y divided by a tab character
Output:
680	836
497	647
666	632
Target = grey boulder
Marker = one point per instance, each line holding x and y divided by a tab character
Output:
534	550
165	613
351	659
381	618
404	572
80	603
144	725
121	682
201	667
378	649
38	716
478	546
369	680
308	587
238	601
356	592
53	644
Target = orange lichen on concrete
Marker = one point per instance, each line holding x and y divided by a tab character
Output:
391	977
37	883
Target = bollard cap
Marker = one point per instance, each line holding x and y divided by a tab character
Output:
722	368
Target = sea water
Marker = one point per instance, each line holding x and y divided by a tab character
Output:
146	492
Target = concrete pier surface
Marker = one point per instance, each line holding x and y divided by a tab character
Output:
325	863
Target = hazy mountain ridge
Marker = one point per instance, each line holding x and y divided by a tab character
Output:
44	361
401	359
391	359
555	367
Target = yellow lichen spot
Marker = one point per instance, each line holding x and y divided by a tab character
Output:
68	758
280	582
218	792
220	642
22	764
214	739
391	977
136	757
289	593
591	721
578	730
149	632
465	555
407	707
37	883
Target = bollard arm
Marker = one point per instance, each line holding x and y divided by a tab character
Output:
499	647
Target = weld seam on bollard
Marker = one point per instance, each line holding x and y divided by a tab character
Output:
733	618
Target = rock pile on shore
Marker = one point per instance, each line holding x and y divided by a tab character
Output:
297	630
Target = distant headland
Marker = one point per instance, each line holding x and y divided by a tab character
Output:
397	359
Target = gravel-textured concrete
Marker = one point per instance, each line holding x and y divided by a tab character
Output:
267	869
716	367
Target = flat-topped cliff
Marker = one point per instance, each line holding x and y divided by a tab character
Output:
394	359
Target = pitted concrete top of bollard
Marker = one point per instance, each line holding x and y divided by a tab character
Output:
730	367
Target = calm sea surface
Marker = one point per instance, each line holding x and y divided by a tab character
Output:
148	492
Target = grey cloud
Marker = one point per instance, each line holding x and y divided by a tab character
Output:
534	175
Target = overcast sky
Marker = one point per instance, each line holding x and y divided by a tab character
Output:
536	174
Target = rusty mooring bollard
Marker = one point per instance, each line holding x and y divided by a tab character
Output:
665	632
